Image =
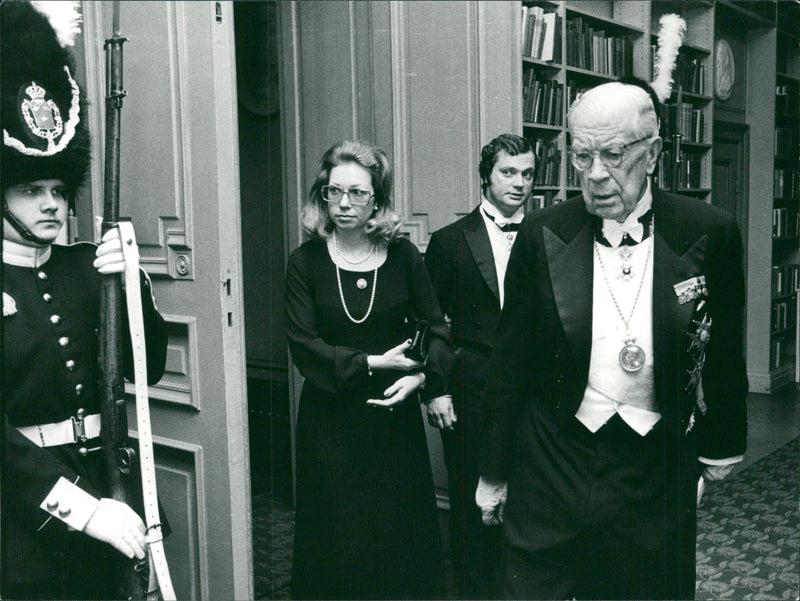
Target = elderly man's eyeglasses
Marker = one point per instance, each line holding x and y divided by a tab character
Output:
357	196
610	157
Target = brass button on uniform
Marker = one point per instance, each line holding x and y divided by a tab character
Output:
46	297
42	275
78	388
55	319
63	341
70	364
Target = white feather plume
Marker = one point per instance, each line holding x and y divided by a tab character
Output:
64	17
670	37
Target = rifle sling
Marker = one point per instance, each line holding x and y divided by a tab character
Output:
133	298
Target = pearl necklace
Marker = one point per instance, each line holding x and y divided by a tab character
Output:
345	259
339	281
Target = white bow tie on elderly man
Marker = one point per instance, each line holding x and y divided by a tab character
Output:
614	231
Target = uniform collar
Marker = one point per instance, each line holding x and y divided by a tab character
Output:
21	255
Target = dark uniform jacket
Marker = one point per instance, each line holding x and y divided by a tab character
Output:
49	372
544	339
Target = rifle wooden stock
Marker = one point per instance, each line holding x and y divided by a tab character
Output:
118	456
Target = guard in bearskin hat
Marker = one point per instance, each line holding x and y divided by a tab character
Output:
62	536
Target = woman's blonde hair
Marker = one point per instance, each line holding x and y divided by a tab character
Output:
384	224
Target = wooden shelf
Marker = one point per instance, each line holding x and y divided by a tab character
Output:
542	126
694	191
695	146
786	76
753	18
542	64
590	74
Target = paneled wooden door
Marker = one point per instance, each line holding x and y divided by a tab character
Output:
179	184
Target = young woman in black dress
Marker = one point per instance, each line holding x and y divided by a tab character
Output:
366	524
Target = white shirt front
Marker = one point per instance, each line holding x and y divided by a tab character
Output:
501	241
610	389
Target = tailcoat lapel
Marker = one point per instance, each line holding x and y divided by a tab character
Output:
679	254
477	239
570	263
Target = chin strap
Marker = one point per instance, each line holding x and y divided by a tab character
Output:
21	229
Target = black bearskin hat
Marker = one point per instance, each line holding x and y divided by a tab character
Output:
45	134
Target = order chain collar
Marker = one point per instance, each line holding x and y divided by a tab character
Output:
632	355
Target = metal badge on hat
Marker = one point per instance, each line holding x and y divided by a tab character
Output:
43	118
41	114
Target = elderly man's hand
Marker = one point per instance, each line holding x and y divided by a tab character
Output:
491	499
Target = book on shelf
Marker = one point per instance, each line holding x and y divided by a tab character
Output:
777	353
786	100
689	74
542	99
686	120
786	184
541	37
544	199
785	143
548	161
689	170
594	50
782	315
784	223
785	279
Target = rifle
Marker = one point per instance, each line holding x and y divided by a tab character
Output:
117	455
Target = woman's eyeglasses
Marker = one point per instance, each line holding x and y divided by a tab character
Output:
357	196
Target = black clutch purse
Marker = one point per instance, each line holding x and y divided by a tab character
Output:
418	351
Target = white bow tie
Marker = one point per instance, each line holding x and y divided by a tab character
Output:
614	231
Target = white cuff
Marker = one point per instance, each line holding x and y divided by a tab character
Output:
70	504
725	461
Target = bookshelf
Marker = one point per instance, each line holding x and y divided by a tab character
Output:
595	42
784	359
688	117
598	41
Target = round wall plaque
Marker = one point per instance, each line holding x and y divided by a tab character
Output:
724	70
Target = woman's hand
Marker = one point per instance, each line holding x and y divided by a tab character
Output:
394	359
399	391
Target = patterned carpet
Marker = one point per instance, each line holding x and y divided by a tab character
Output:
748	532
273	536
748	535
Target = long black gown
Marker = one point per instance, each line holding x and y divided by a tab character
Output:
366	524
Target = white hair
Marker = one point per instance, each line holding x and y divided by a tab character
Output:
614	96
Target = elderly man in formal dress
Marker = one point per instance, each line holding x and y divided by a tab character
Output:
617	378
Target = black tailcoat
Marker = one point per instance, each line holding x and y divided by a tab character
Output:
461	265
540	364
